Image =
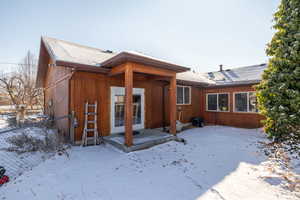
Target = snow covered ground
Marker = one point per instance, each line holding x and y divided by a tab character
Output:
16	164
217	163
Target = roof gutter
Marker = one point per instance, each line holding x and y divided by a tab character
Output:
240	83
192	83
82	67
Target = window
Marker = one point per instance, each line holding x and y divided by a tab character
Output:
217	102
245	102
183	95
212	102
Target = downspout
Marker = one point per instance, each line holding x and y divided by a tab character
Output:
163	107
72	120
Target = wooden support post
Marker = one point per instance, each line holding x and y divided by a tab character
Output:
172	99
128	104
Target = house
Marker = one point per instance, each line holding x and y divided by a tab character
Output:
135	91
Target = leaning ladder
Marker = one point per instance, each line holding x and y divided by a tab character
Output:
88	121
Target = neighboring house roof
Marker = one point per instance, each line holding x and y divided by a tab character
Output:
237	76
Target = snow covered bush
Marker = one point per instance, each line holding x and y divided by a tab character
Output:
42	140
283	164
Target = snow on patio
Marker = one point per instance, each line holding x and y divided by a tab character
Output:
216	163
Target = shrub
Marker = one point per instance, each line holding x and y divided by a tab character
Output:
279	91
45	142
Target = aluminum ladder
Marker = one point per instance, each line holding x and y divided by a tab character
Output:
87	121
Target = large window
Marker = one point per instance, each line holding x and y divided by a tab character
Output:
217	102
183	95
245	102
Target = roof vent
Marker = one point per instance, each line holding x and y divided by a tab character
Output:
211	75
221	68
108	51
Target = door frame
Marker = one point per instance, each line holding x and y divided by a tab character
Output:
121	91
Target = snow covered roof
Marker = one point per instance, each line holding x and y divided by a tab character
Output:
75	53
237	76
141	58
191	76
70	52
80	57
93	59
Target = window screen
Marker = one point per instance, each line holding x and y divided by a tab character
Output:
183	95
187	95
179	95
241	102
223	102
212	102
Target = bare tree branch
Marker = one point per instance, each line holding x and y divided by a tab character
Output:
19	86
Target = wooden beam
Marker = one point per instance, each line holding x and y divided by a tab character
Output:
152	70
172	99
159	78
128	104
117	70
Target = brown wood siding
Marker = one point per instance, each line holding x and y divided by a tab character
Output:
57	90
71	95
243	120
192	110
86	86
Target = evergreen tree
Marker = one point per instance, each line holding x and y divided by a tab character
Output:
279	91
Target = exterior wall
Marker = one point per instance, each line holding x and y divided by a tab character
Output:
71	94
57	92
85	86
231	118
191	110
186	112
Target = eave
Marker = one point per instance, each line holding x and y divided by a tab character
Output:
126	56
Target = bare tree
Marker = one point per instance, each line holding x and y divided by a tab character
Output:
19	86
12	86
27	71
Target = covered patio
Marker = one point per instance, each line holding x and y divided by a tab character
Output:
128	66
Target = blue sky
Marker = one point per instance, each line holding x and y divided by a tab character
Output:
198	34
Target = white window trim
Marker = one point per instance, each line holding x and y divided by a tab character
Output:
121	91
190	102
247	92
218	110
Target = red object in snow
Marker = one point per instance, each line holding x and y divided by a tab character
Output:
3	180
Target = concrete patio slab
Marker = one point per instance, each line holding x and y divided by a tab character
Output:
145	139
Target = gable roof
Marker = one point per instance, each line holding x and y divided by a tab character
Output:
60	50
237	76
82	57
144	59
